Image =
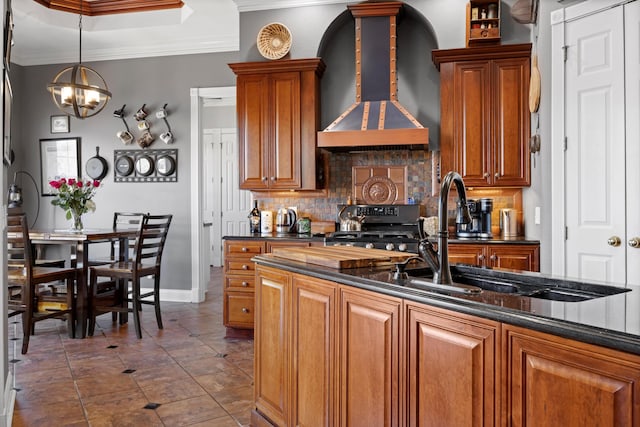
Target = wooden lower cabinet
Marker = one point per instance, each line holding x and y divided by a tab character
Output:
369	358
272	343
239	277
514	256
334	355
453	368
561	382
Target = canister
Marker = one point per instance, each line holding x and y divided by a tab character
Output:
508	222
266	221
304	225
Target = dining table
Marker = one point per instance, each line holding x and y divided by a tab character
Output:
79	242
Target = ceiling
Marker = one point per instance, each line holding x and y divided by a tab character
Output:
43	35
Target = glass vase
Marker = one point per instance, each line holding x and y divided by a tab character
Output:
77	221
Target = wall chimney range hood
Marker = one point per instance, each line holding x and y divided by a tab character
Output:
376	119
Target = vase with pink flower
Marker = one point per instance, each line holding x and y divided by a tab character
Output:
74	196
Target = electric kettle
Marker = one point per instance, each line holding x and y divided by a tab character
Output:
509	222
286	220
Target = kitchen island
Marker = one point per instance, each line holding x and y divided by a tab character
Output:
358	347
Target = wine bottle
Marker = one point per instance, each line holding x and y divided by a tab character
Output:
254	218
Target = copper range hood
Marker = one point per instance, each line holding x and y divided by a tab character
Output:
376	119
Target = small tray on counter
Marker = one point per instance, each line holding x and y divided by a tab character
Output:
341	256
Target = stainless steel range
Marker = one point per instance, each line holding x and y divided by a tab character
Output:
390	227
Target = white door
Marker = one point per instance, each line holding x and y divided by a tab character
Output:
226	205
632	83
595	176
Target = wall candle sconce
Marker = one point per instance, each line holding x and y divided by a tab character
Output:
14	195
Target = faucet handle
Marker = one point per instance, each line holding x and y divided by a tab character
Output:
400	272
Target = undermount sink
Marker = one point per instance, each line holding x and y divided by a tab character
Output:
473	280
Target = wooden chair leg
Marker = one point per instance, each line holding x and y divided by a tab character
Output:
156	299
93	281
135	302
26	330
71	304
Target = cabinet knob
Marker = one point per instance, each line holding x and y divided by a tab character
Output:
486	175
245	267
613	241
634	242
245	310
245	284
244	249
480	257
264	178
497	175
493	257
273	178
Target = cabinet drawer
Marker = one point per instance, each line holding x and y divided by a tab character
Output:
239	309
239	283
239	266
232	247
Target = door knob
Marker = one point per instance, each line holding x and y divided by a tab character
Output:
634	242
614	241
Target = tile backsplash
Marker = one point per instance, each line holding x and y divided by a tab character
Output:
340	185
419	185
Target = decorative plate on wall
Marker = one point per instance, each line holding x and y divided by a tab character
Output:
146	165
379	190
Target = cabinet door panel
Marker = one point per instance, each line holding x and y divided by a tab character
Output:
285	169
440	345
252	98
511	122
517	257
314	355
271	388
472	100
554	381
467	254
369	365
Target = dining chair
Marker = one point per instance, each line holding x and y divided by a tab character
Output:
112	294
27	294
121	221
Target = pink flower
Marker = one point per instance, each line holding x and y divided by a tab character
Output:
63	181
79	184
71	181
96	183
55	184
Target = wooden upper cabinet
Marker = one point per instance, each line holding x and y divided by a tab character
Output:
485	119
278	117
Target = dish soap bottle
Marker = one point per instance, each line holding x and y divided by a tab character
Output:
254	218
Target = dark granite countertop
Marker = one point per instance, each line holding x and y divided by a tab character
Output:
277	236
496	240
610	321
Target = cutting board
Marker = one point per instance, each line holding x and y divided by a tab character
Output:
341	256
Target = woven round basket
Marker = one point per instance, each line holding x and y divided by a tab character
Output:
274	41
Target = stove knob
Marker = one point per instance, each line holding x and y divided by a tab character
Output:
390	246
369	246
402	247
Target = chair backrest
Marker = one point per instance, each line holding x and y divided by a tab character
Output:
126	221
152	237
19	248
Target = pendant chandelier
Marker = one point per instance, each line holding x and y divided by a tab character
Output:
79	90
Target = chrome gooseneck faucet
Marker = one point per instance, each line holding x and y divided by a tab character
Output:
438	260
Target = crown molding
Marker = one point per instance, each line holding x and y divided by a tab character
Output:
108	7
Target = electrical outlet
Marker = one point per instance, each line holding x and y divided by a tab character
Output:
536	216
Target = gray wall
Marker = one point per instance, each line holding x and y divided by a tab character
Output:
156	81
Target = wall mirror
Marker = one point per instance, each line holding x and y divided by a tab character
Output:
59	158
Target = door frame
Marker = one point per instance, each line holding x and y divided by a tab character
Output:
559	18
200	268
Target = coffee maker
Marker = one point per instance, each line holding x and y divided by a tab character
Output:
480	225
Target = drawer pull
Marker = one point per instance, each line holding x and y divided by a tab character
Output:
245	249
245	267
245	310
493	257
480	257
245	284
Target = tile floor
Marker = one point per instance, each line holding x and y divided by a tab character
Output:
184	375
